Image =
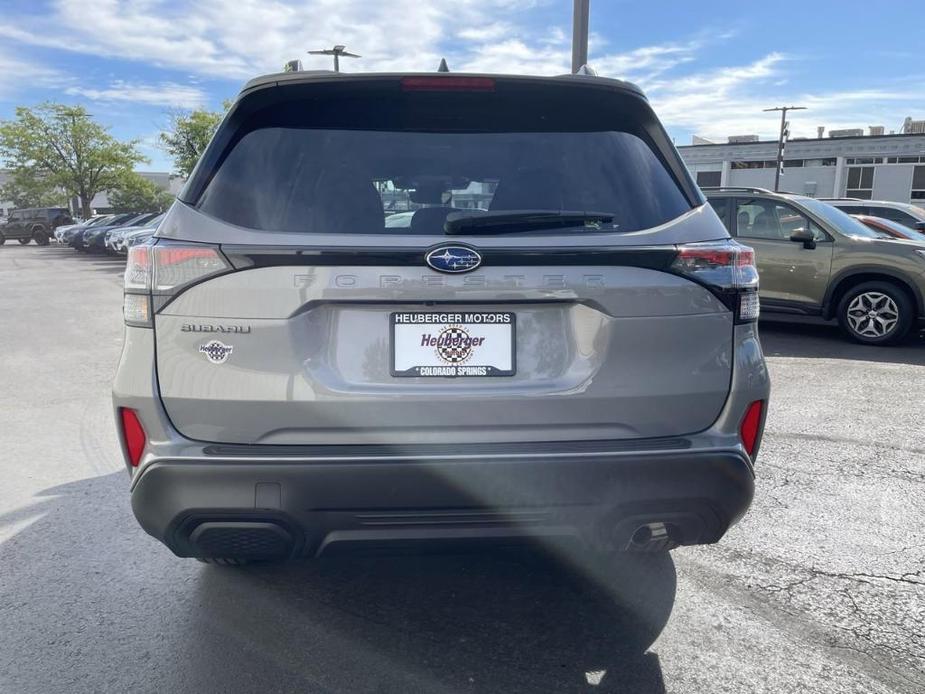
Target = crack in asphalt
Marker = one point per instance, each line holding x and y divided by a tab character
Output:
914	578
865	631
885	666
899	473
844	439
902	549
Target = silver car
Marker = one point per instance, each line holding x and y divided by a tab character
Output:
117	239
562	344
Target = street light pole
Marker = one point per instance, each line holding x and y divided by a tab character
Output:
784	132
580	13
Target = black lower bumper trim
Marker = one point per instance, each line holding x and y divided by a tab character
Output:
319	505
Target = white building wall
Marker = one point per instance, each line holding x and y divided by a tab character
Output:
893	182
756	178
816	181
841	178
710	166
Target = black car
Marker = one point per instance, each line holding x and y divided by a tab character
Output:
73	237
34	224
70	233
92	238
63	233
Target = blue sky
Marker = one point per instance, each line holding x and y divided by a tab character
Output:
708	67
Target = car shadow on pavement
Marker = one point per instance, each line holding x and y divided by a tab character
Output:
104	262
91	603
821	341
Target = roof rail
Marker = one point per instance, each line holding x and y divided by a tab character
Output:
837	199
749	189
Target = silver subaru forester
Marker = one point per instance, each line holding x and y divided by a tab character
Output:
408	308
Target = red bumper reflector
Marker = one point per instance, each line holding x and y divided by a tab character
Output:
447	84
751	422
133	434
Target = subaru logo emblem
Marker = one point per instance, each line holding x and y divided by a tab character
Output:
453	259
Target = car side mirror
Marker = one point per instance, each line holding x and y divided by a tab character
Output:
804	236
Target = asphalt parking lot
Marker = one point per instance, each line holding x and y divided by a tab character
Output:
820	588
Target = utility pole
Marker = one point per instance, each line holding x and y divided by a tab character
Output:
338	52
580	15
782	138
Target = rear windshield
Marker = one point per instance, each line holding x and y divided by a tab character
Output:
291	177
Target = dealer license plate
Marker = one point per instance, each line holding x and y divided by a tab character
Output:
454	344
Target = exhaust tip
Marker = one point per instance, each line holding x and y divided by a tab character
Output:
654	537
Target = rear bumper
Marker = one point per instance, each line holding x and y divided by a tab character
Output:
234	504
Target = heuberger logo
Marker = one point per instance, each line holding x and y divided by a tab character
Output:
205	328
454	344
446	339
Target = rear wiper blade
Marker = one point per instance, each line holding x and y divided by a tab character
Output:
512	221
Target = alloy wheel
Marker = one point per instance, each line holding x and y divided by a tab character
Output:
873	314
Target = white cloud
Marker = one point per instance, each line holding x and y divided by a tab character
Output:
730	101
17	74
488	32
162	94
239	39
514	56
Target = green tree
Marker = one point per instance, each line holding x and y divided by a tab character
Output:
188	134
135	193
26	189
64	146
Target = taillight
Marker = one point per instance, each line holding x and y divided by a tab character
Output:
751	426
138	269
133	434
727	269
156	273
447	84
176	266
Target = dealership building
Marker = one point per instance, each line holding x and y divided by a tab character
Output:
850	163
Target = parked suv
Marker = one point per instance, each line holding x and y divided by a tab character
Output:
908	215
34	224
814	259
576	358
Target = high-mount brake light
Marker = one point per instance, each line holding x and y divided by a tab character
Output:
154	274
728	269
448	84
